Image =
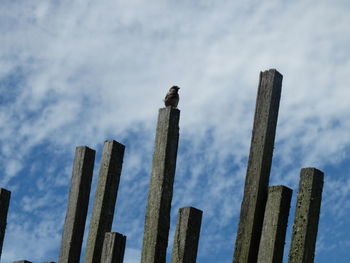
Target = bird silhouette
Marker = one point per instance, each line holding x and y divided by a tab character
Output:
172	97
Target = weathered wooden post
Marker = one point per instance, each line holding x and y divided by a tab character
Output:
307	214
113	248
78	202
259	165
5	196
157	220
105	199
187	235
275	224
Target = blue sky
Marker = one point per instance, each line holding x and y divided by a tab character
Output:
80	72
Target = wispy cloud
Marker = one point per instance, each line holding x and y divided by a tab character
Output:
79	72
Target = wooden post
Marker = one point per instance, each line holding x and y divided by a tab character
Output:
307	215
105	199
259	165
113	248
78	202
5	196
157	221
187	235
275	224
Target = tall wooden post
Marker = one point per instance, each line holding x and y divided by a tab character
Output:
5	196
157	221
259	165
78	202
105	199
275	225
113	248
187	235
307	213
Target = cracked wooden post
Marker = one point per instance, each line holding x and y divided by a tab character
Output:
5	196
187	235
307	215
275	224
78	202
259	165
113	248
105	199
157	219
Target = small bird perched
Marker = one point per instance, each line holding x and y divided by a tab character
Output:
172	97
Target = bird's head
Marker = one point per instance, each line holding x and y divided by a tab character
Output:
174	88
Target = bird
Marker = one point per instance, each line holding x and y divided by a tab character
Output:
172	97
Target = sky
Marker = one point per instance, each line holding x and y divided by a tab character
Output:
80	72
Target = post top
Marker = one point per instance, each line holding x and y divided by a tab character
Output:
169	110
191	208
311	170
275	188
84	147
117	234
272	71
115	143
3	190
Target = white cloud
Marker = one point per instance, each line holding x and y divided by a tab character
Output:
86	71
34	241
